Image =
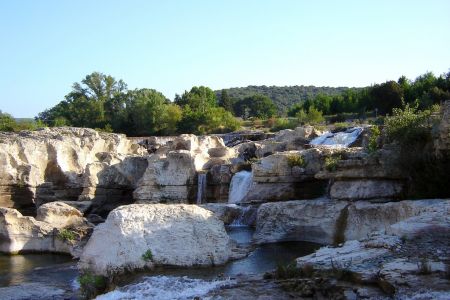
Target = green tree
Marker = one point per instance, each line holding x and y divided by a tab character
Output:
146	112
226	101
258	106
386	96
7	122
198	99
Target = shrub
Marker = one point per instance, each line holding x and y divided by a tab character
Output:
92	285
148	255
296	160
67	235
283	123
341	125
373	139
291	271
331	163
409	126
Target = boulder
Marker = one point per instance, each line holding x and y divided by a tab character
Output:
60	215
302	220
146	235
66	234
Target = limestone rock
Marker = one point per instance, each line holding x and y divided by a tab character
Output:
302	220
366	189
49	164
20	233
177	235
169	178
59	215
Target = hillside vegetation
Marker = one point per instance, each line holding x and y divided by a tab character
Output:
282	96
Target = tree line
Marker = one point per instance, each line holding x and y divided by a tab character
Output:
100	101
380	99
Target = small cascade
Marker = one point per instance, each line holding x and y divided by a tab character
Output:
201	188
338	139
239	186
246	218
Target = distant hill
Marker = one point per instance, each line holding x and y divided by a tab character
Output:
283	96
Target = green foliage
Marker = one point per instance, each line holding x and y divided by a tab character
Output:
296	160
331	163
226	101
409	125
148	255
283	97
341	125
313	116
7	122
92	285
199	99
278	124
67	235
373	139
258	106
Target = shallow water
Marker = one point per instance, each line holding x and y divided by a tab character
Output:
188	283
38	276
54	276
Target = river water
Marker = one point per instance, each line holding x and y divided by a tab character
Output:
54	276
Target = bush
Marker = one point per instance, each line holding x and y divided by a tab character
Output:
67	235
373	139
331	163
409	126
148	255
341	125
92	285
283	123
313	116
296	160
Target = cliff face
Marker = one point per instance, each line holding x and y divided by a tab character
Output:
55	164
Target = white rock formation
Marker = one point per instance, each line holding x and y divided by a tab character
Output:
49	164
19	233
320	220
302	220
177	235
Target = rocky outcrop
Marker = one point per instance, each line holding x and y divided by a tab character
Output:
329	221
171	175
278	177
145	235
57	228
50	164
302	220
406	258
356	175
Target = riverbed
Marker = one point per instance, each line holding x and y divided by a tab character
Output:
43	276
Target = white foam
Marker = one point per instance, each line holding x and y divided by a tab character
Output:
239	186
339	139
165	288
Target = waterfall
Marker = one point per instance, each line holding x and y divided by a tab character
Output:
201	187
338	139
239	186
247	217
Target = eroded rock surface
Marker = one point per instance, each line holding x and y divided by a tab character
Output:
176	235
57	228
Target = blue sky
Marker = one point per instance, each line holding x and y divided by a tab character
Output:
171	46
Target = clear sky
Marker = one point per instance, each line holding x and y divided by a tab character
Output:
46	46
